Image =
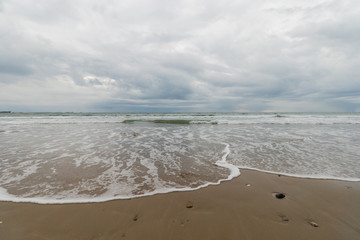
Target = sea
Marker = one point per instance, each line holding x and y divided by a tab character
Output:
96	157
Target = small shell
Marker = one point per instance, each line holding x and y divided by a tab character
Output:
314	224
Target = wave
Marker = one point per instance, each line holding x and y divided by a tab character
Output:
169	121
163	121
220	119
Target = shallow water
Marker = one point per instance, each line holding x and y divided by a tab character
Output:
49	158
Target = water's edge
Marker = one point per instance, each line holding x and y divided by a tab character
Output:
234	172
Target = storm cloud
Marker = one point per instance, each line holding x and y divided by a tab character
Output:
179	55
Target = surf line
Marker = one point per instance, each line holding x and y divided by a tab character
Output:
234	171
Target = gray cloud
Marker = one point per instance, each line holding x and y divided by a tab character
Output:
184	56
12	66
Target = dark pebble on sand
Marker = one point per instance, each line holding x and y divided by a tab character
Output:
135	218
280	195
284	219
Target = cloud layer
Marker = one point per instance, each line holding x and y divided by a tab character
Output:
159	55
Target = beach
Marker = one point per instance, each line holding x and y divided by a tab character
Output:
184	120
176	176
243	208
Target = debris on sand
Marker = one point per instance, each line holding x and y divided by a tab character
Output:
189	204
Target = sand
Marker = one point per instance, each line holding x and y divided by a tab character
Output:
232	210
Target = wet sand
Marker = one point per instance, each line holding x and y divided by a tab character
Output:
311	209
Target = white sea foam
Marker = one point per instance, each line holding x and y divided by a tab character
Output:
110	195
234	171
324	177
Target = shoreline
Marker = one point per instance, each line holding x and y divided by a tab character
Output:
310	177
231	177
231	210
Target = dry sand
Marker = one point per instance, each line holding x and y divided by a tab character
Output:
231	210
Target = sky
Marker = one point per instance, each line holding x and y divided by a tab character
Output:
180	56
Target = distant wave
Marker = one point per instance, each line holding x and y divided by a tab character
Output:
170	121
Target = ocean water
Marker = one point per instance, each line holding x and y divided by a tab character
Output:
77	157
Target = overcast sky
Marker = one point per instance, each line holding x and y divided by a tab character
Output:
184	55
